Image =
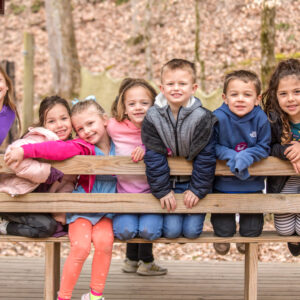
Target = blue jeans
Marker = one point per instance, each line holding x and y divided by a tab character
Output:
187	225
146	226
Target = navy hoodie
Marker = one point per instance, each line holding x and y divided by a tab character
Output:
241	141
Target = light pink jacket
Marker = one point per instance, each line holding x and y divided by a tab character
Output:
30	173
126	137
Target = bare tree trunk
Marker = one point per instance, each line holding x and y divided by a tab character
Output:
197	47
62	47
267	42
148	51
135	24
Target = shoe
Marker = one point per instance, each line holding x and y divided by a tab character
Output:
150	269
294	249
130	266
3	226
87	296
241	247
222	248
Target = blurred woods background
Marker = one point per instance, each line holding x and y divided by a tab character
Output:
81	47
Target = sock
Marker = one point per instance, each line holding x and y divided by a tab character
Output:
58	298
95	295
3	226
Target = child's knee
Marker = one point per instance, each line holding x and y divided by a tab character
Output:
150	235
125	234
80	250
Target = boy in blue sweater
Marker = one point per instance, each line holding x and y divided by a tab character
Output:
243	137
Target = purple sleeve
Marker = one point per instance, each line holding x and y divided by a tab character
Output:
7	117
55	175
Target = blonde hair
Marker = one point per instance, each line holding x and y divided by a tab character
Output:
118	107
81	106
9	97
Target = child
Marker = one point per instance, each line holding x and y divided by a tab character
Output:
8	110
89	121
136	96
54	124
178	125
243	137
281	102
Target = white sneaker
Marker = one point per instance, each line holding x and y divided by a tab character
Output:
3	226
87	297
130	266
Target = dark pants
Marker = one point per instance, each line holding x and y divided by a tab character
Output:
138	252
30	225
250	224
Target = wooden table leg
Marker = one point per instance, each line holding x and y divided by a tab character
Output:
52	270
251	264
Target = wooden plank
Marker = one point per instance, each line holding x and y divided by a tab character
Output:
205	237
185	280
251	263
146	203
179	166
52	270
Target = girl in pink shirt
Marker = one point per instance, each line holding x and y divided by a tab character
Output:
136	96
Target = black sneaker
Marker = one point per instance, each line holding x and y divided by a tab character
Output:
294	249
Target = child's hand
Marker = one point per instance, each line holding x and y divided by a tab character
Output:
293	152
168	201
138	154
15	155
296	166
60	217
190	199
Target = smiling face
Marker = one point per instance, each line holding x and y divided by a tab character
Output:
241	97
177	86
288	95
57	119
137	100
3	89
90	126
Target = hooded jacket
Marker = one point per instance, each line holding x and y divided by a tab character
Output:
190	136
276	183
61	150
241	141
30	173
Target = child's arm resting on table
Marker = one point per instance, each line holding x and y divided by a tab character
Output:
245	158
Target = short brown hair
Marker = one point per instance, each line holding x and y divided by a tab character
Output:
245	76
178	63
118	107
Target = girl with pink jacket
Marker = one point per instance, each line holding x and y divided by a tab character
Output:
32	175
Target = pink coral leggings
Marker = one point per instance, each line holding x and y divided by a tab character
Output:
81	234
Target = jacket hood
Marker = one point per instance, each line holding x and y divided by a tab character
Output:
224	107
161	104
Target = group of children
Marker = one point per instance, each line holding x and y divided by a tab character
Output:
153	127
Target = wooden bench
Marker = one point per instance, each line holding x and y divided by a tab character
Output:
131	203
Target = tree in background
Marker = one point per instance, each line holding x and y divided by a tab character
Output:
62	48
267	37
197	45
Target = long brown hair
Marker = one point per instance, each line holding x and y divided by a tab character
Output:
118	106
9	97
289	67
